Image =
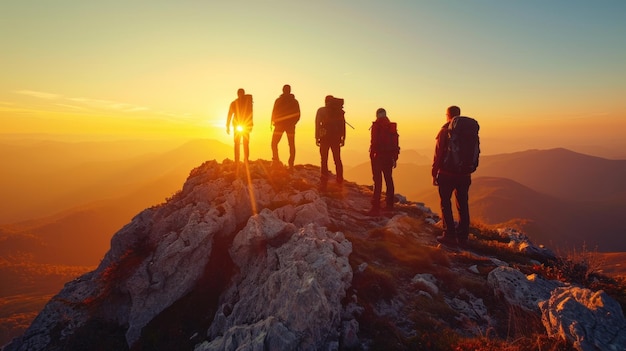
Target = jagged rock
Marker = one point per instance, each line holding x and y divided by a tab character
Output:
401	224
266	334
474	269
522	243
307	274
519	289
589	320
350	339
471	311
427	281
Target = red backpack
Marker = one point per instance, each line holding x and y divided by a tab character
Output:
386	138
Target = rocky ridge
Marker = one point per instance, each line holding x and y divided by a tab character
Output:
256	258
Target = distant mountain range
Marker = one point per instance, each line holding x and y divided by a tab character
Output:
82	199
560	198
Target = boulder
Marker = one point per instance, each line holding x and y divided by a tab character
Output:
518	289
300	277
590	320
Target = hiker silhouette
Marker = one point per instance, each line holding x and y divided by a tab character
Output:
285	115
454	180
240	114
384	151
330	134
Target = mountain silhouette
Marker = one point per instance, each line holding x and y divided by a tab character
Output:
561	173
255	257
48	177
558	197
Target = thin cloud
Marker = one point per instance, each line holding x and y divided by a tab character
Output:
39	94
74	107
110	105
84	104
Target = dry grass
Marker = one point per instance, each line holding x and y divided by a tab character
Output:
392	260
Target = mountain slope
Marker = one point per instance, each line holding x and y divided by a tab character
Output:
557	223
256	257
560	198
560	173
48	178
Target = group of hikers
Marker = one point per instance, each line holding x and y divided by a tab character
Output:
455	159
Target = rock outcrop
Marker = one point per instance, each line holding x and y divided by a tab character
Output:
518	289
256	258
289	266
589	320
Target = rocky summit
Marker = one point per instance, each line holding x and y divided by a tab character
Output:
256	257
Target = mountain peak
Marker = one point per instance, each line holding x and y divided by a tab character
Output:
255	257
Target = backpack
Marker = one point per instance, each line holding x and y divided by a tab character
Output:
387	138
333	124
463	146
243	113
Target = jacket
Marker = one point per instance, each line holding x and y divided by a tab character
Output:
441	146
240	111
286	110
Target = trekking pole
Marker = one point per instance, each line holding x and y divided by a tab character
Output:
349	124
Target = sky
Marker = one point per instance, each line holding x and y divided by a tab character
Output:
536	74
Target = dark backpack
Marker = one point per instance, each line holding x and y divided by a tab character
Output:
463	146
333	125
387	138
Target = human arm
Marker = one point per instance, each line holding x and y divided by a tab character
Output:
440	147
228	118
343	130
318	119
274	112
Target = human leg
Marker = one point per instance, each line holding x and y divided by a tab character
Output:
336	148
276	136
324	147
246	146
237	140
378	180
387	169
446	187
291	139
461	193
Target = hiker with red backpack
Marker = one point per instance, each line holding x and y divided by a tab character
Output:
456	158
330	134
384	151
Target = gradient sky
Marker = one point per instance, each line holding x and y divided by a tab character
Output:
536	74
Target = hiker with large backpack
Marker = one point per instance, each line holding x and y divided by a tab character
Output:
240	113
384	151
285	115
330	134
456	158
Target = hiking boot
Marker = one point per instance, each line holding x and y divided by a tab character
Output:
447	241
